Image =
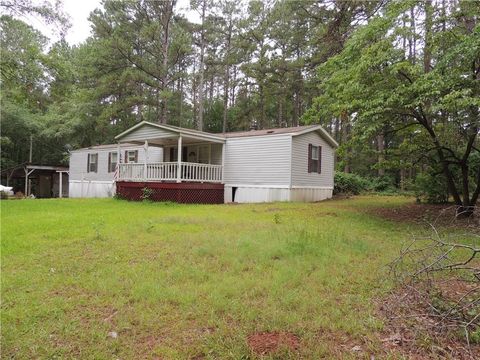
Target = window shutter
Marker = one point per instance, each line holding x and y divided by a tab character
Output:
88	163
309	158
319	168
126	156
172	153
109	162
136	156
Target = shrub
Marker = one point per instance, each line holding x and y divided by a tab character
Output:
431	188
146	193
382	184
349	183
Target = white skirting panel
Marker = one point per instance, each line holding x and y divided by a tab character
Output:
91	189
305	194
252	194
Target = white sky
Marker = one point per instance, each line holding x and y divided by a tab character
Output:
79	11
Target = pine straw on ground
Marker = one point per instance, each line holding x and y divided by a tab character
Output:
271	342
440	214
415	328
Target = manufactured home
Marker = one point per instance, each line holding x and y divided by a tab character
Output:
168	163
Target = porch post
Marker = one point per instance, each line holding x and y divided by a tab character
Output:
116	175
27	173
179	159
60	184
26	181
145	160
223	162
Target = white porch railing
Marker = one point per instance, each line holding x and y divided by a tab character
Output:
168	171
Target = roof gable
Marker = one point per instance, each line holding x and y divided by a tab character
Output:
147	130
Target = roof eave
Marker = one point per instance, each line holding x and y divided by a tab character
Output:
326	136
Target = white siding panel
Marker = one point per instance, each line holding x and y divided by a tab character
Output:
79	159
216	156
146	132
300	174
258	160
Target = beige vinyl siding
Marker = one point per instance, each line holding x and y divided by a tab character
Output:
260	160
146	132
300	174
79	158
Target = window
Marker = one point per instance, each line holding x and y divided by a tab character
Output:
112	161
314	159
203	154
174	154
131	156
92	162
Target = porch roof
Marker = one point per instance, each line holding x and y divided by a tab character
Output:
161	134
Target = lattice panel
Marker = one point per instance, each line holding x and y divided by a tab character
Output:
186	193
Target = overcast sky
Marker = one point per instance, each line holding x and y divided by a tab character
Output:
79	10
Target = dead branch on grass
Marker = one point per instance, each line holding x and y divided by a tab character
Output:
439	273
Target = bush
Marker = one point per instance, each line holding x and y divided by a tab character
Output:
349	183
383	184
431	188
146	194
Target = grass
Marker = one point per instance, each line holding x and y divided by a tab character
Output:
190	281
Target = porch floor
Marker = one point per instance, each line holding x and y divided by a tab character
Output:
184	192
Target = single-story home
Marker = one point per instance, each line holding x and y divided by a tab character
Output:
169	163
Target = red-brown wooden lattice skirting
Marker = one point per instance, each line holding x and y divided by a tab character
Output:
187	193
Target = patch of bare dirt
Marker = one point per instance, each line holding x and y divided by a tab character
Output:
425	213
415	328
265	343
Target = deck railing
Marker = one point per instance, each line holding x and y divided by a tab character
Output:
168	171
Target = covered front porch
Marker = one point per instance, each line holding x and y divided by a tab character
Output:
188	155
191	170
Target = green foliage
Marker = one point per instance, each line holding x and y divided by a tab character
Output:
382	184
428	99
346	183
431	188
147	193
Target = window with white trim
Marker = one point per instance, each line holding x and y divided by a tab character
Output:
131	156
112	161
314	159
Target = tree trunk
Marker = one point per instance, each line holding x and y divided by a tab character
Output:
345	135
225	97
201	71
165	21
226	82
381	154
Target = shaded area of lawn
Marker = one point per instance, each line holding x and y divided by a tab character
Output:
191	281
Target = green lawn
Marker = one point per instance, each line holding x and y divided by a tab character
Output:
191	281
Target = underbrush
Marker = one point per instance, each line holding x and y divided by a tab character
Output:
434	310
